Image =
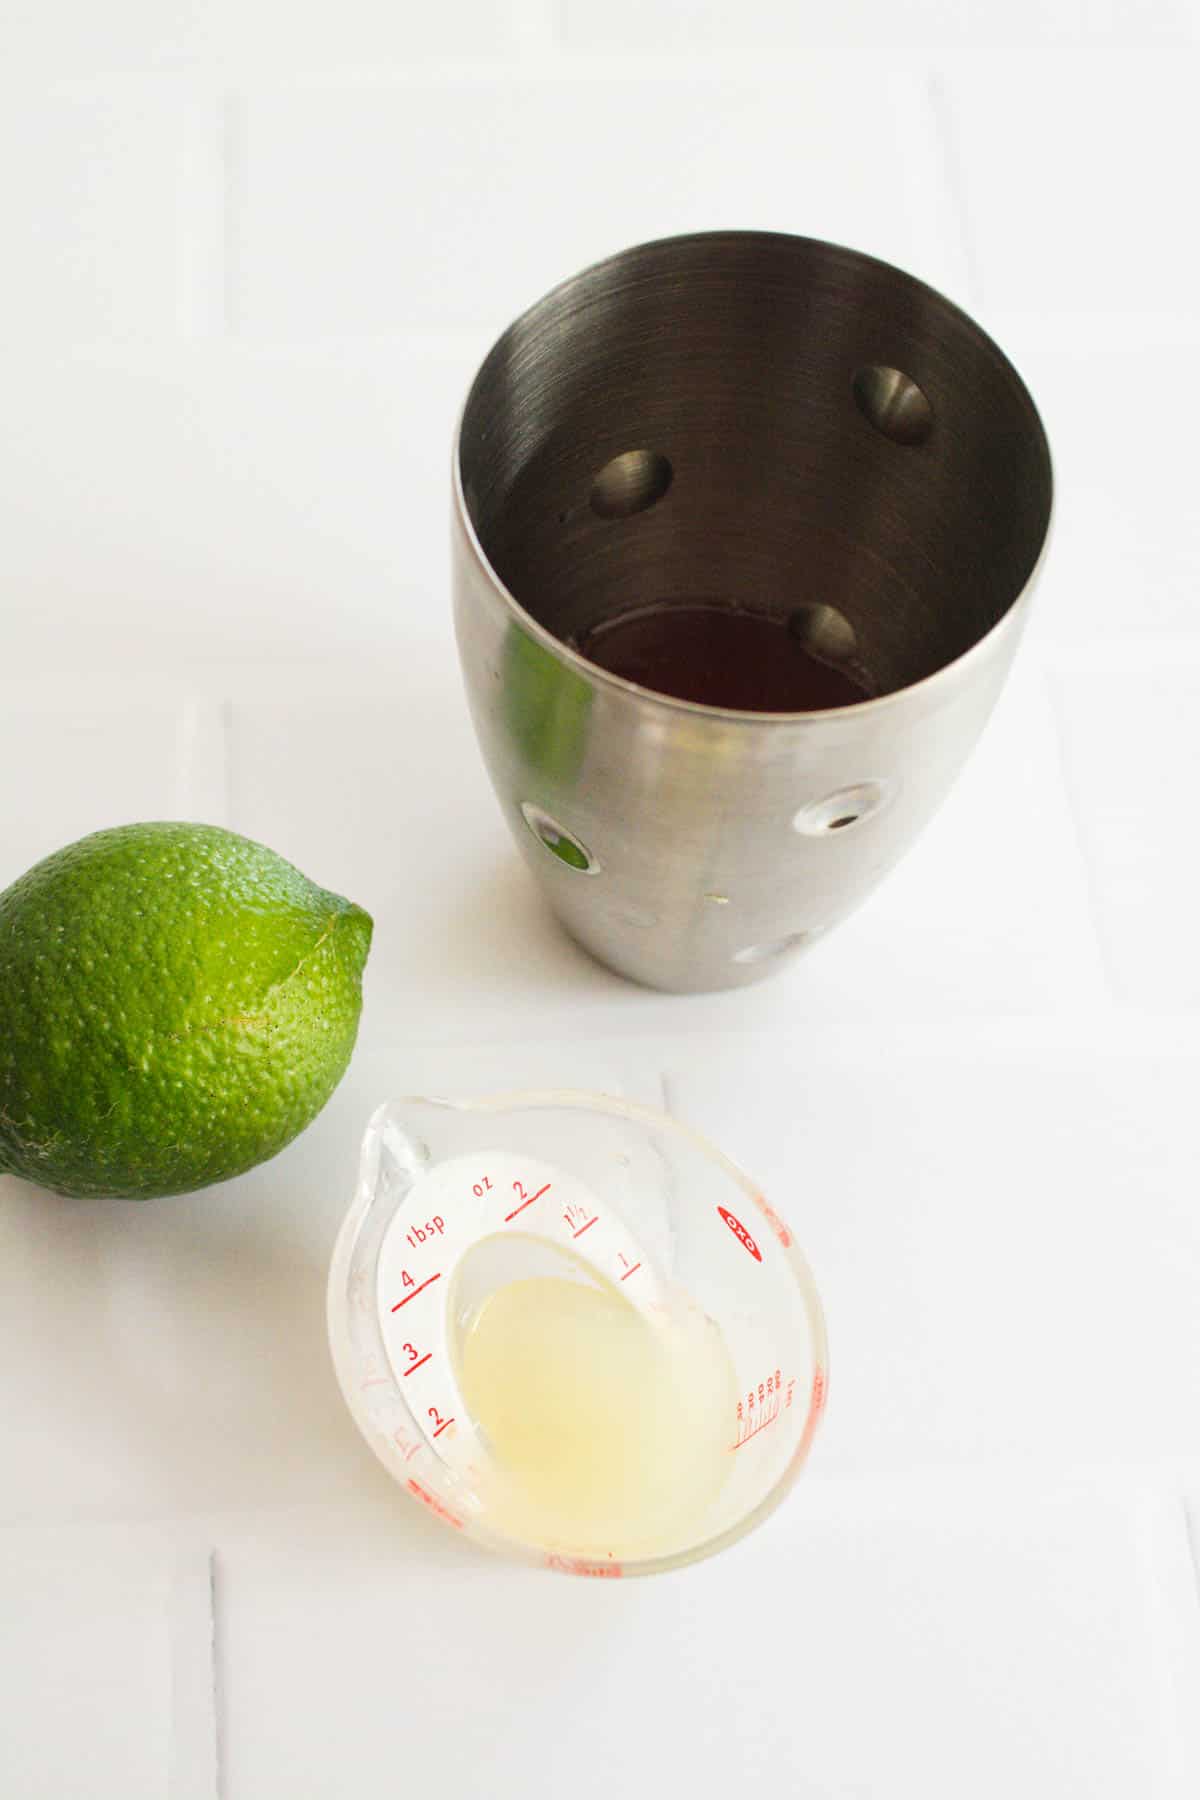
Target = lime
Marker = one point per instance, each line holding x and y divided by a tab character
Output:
176	1004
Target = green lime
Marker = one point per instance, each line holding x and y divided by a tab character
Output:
176	1004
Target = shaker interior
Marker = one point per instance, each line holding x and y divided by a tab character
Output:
767	423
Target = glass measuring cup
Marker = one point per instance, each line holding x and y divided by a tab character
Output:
457	1200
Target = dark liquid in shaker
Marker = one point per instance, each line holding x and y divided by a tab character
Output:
721	657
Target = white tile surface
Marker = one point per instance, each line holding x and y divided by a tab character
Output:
345	192
1006	1241
228	506
988	913
865	1642
136	34
1067	166
142	34
110	195
76	768
106	1665
1129	736
1118	399
682	24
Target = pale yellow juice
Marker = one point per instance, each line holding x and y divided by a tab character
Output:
609	1430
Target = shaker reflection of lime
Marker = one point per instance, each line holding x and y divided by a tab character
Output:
574	1330
565	848
546	708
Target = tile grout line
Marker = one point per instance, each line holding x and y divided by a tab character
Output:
1191	1533
218	1692
187	732
232	146
1099	929
946	137
193	1746
200	227
227	761
1191	1537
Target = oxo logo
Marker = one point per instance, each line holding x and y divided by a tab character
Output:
741	1234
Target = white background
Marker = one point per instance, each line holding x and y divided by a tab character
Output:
252	255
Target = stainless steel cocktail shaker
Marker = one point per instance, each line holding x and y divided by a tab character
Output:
780	427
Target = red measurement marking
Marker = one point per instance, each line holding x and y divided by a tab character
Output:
586	1227
434	1504
762	1426
376	1380
442	1427
741	1234
416	1291
574	1565
815	1409
776	1223
509	1217
404	1373
629	1272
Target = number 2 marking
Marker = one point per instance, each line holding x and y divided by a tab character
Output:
439	1424
523	1199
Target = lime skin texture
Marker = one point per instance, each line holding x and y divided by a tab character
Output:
177	1003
